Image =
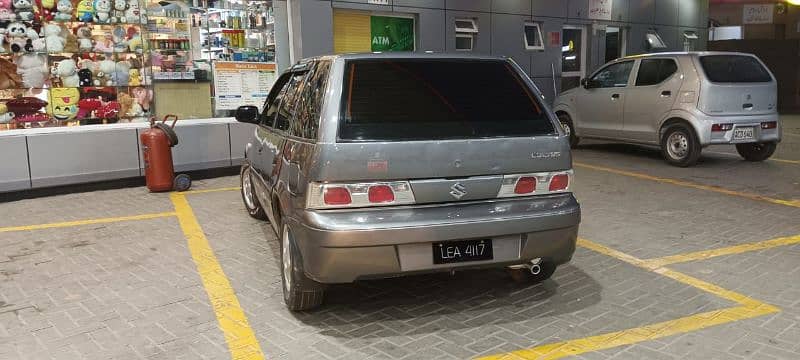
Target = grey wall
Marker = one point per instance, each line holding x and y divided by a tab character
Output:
500	26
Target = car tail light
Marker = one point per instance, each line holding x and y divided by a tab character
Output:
559	182
721	127
526	184
355	195
769	125
380	194
337	196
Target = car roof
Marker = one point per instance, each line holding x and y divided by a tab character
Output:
406	55
684	53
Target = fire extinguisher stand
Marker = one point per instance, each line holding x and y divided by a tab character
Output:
157	143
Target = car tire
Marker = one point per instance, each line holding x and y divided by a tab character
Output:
569	128
756	151
249	198
299	292
524	275
679	145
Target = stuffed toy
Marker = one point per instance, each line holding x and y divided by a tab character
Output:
24	9
5	115
85	11
125	104
64	8
21	37
33	70
134	78
26	109
108	110
134	14
118	36
105	72
121	75
53	39
85	73
47	9
86	107
102	11
2	41
67	70
118	11
6	13
144	97
39	45
71	46
63	103
9	78
104	45
84	34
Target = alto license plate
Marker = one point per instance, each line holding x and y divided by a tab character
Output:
461	251
743	133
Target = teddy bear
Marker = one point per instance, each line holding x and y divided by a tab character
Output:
64	8
6	13
85	73
9	78
134	13
53	39
24	9
84	34
102	11
118	11
125	104
134	77
6	116
105	72
85	11
121	75
33	70
21	37
67	70
71	46
119	37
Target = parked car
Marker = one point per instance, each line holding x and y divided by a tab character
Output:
378	165
681	102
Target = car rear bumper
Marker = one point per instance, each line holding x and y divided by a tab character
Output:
707	137
340	246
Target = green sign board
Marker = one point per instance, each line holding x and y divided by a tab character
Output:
392	33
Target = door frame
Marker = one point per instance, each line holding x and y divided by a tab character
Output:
582	73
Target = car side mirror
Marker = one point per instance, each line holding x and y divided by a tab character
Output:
247	114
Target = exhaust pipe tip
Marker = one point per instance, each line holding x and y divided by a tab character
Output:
535	269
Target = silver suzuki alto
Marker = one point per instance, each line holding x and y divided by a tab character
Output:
378	165
681	102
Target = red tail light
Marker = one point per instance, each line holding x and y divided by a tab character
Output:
721	127
525	185
769	125
337	196
380	194
559	182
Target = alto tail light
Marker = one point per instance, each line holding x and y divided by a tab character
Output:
721	127
769	125
535	184
356	195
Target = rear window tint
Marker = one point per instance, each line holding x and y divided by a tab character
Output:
734	69
654	71
402	100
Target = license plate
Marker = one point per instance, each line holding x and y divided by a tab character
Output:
461	251
743	133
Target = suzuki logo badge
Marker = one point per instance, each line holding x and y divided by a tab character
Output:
458	191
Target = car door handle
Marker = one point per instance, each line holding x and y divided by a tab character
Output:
666	93
614	96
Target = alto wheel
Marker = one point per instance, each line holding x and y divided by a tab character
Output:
680	146
299	292
249	198
756	151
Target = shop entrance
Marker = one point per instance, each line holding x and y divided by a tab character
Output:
614	43
573	56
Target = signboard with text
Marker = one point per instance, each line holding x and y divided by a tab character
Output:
600	9
758	14
238	83
391	33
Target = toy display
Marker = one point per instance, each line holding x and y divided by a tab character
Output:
53	40
102	11
84	35
85	11
23	9
63	104
20	37
64	11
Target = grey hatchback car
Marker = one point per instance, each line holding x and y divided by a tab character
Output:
380	165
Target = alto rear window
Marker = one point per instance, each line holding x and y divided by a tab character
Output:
734	69
437	99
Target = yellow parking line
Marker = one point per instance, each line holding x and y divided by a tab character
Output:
235	188
732	155
786	161
242	342
731	250
717	189
86	222
748	308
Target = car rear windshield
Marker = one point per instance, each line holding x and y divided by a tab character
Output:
734	69
436	99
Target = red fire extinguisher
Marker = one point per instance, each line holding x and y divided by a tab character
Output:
157	143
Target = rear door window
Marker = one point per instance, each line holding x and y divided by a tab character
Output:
273	102
734	69
655	71
429	99
286	112
309	101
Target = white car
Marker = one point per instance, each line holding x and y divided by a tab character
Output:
681	102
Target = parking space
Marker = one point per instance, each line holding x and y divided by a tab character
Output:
697	263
